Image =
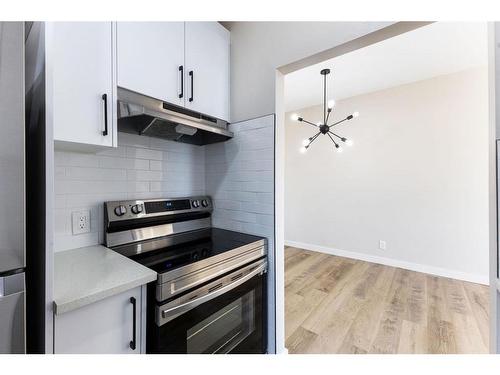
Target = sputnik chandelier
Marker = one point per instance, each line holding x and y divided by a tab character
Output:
323	127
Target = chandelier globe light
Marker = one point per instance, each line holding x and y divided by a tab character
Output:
322	127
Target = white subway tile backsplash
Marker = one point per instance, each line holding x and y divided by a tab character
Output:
81	201
227	204
88	187
240	179
155	165
267	198
94	174
238	174
137	186
119	152
135	169
143	153
62	159
258	208
257	165
267	220
66	242
137	175
123	163
125	139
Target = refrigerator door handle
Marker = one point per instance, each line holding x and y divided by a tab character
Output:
11	284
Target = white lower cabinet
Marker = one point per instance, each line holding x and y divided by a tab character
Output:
104	327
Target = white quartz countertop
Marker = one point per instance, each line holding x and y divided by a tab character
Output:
89	274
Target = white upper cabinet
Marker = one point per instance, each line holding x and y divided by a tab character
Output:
80	83
186	64
207	68
151	59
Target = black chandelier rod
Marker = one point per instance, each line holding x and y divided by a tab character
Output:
313	138
324	101
328	116
307	122
336	135
338	122
336	145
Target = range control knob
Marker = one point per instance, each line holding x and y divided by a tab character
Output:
204	203
137	209
120	210
196	203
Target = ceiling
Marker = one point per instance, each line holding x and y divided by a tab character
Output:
433	50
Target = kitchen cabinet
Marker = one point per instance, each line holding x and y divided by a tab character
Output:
186	64
81	84
207	68
151	59
103	327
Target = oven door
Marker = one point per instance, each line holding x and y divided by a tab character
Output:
225	316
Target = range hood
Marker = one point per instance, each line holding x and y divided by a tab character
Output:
143	115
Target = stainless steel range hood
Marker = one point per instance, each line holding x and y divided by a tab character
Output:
143	115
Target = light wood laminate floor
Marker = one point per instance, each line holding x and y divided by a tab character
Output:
341	305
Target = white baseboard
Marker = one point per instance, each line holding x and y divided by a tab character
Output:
438	271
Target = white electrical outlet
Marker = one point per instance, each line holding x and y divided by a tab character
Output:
381	245
81	221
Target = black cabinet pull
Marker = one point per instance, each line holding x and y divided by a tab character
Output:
191	74
181	70
134	306
105	99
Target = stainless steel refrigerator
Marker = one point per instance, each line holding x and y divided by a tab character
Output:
12	189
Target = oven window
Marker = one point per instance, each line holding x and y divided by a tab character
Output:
225	329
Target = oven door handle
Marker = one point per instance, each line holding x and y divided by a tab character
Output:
173	312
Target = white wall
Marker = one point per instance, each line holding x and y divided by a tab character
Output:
141	167
259	48
417	177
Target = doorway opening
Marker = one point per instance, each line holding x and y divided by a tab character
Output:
386	243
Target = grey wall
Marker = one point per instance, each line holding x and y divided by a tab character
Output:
240	179
259	48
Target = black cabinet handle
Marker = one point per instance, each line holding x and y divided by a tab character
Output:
181	70
105	99
191	74
134	306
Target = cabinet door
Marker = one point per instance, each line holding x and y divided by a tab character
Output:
207	57
149	57
104	327
79	72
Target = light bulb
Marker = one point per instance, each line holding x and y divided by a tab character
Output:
339	149
355	114
294	117
303	150
349	142
305	142
331	103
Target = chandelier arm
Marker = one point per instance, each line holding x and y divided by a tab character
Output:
310	123
336	135
313	138
328	115
338	122
335	143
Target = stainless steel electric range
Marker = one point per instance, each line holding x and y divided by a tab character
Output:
211	288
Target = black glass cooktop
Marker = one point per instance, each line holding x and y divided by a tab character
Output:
215	242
